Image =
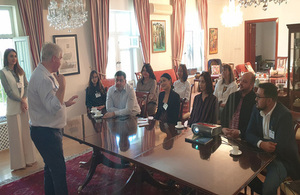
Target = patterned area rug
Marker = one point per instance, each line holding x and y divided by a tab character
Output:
105	180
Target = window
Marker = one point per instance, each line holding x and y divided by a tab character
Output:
193	54
8	40
123	51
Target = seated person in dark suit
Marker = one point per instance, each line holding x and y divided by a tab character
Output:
238	108
168	101
271	129
205	106
95	92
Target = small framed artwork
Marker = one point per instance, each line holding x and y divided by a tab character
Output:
213	40
158	28
69	61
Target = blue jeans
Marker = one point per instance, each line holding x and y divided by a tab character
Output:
276	173
48	141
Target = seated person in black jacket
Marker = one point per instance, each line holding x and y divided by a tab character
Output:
95	92
238	108
168	101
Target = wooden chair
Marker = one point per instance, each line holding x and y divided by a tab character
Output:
281	63
283	187
182	102
142	98
138	75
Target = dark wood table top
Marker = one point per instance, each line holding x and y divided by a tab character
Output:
120	136
208	168
160	147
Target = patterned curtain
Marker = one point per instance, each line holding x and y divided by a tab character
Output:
178	23
142	11
31	13
100	33
203	11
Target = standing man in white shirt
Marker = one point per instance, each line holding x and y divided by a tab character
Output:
121	99
47	111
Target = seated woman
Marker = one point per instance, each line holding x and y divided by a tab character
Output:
95	92
168	101
148	84
205	106
95	96
183	87
225	86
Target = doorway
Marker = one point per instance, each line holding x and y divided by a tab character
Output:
261	46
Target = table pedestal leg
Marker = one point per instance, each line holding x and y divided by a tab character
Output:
140	175
99	158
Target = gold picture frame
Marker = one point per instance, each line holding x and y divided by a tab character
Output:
158	34
213	41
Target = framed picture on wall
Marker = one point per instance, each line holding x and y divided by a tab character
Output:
213	40
69	61
158	29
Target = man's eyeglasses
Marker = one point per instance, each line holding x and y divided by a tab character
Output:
258	97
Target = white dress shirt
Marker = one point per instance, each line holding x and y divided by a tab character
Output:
122	102
222	91
266	124
45	109
183	89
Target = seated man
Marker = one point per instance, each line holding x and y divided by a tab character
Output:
271	129
237	111
121	99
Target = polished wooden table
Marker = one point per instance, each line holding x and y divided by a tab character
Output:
161	148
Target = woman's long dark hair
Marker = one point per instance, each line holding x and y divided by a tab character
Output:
17	68
98	85
184	71
149	70
231	76
208	82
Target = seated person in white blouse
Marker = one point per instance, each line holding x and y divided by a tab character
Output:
225	86
182	86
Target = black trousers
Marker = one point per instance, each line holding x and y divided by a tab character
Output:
48	141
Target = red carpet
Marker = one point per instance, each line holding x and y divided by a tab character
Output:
105	181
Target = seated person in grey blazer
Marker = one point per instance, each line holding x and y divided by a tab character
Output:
271	129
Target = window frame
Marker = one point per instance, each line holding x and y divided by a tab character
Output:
10	9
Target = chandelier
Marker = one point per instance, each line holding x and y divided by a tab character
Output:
69	14
232	15
247	3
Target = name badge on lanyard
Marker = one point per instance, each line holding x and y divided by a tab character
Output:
98	94
271	134
19	85
165	106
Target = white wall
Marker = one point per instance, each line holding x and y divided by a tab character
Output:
76	84
162	61
231	40
265	40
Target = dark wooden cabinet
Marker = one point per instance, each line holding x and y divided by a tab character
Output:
293	85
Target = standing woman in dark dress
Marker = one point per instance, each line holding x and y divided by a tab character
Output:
95	92
168	101
205	106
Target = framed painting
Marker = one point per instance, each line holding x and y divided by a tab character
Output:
213	40
69	61
158	29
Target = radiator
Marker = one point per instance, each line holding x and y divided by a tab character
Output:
4	143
